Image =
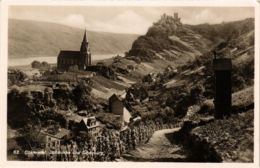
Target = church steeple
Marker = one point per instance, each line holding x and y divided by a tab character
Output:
81	58
84	51
85	39
84	43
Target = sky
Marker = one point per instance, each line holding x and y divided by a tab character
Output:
131	20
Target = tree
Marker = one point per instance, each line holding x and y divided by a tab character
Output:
19	107
40	65
35	64
51	114
82	95
30	132
15	77
238	82
196	93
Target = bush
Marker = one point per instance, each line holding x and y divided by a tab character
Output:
207	107
81	95
53	115
196	93
35	64
238	82
18	107
15	77
63	97
39	65
130	67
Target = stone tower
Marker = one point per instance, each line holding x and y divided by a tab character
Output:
222	68
85	53
176	17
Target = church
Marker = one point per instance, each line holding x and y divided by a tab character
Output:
81	59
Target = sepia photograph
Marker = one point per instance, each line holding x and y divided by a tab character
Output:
141	83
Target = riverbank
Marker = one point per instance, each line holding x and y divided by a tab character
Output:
12	62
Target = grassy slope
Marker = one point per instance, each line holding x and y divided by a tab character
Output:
32	38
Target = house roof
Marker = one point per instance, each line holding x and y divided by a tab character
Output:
113	98
59	135
87	120
83	113
74	117
66	54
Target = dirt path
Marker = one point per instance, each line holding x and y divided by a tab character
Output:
159	148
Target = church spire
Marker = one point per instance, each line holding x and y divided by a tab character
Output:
85	52
85	39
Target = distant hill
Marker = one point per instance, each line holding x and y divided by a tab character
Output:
225	30
33	38
171	40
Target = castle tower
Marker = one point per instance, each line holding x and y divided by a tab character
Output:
176	17
223	99
85	53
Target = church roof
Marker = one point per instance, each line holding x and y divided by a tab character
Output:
66	54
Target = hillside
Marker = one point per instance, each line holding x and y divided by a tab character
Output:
166	80
187	93
32	38
223	31
169	39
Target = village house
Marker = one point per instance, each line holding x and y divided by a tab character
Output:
117	107
54	139
90	125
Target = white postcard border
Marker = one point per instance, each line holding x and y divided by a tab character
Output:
3	83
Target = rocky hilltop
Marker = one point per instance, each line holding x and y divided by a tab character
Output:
169	39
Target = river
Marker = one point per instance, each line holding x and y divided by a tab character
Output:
50	59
